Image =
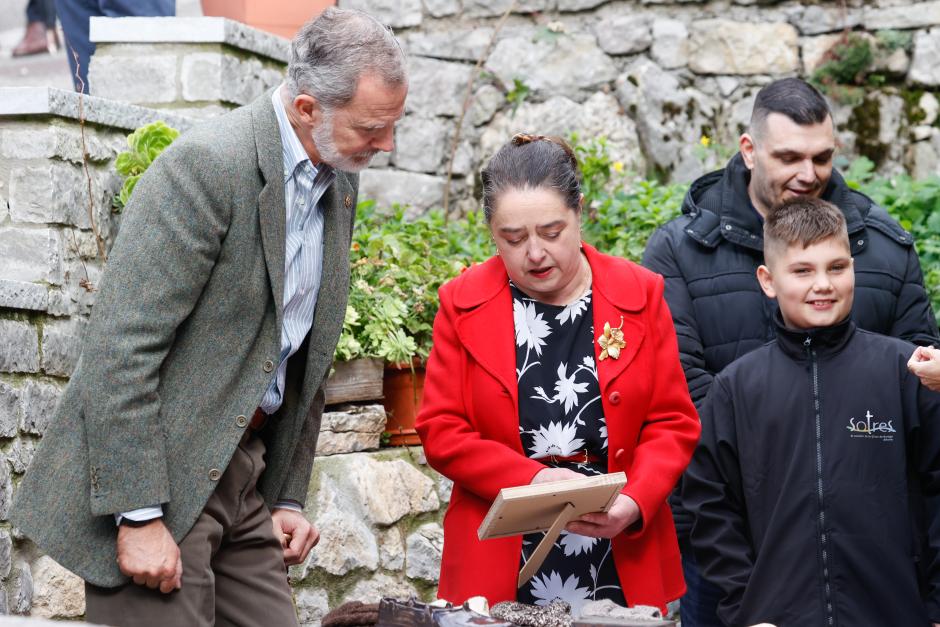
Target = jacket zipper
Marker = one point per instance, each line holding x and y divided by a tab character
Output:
823	536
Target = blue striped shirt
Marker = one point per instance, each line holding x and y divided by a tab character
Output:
304	186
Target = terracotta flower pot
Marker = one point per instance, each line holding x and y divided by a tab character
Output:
281	17
402	390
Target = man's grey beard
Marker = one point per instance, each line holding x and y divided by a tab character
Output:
330	154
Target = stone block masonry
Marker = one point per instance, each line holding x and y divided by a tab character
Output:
200	66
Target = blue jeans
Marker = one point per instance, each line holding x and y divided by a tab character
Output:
75	15
41	11
699	606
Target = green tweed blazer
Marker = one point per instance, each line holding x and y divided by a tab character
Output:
181	344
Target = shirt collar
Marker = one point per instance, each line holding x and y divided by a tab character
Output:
293	151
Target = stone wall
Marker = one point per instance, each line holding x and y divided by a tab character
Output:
653	76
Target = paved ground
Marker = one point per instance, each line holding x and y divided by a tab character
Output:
51	70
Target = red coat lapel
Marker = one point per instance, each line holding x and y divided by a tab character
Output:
617	292
485	322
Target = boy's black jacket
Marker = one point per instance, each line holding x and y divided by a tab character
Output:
815	486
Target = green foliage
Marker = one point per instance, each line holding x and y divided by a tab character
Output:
517	95
891	40
913	203
620	211
847	62
146	143
396	267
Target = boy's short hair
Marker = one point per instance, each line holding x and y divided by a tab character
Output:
805	221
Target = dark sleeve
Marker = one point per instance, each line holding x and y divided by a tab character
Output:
914	319
924	442
713	492
660	257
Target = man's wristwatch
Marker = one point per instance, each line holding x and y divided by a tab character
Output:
127	522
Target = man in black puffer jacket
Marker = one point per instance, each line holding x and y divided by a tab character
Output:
709	256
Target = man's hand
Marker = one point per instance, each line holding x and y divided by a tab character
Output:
149	556
623	513
925	363
296	534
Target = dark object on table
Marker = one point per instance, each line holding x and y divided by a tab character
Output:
609	621
352	614
412	613
555	614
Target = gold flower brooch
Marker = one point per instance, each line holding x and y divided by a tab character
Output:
611	341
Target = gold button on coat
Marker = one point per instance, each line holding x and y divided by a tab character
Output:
268	365
241	421
215	474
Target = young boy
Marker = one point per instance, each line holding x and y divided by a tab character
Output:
815	489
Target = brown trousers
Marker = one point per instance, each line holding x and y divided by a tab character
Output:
233	566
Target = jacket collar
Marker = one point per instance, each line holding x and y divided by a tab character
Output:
486	328
720	208
619	283
796	343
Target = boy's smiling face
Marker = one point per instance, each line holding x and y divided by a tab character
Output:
814	286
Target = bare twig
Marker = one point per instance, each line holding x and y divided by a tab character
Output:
468	99
102	253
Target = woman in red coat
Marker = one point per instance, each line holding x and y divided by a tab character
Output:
550	361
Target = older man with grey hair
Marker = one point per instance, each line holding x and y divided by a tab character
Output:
174	473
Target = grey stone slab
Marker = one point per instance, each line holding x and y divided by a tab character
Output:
189	30
925	67
31	254
38	401
904	16
21	454
570	65
11	410
20	589
624	34
387	187
46	101
424	548
22	295
61	344
117	77
395	13
19	347
442	8
436	87
457	44
420	143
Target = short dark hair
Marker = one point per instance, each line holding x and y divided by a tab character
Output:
792	97
803	221
532	162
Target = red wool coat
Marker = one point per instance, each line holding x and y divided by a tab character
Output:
469	425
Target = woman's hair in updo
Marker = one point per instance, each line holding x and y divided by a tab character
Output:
532	162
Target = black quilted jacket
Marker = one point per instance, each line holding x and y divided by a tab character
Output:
709	257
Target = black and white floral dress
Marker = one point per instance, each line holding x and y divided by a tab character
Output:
561	416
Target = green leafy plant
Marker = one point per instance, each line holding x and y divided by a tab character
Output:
146	144
915	204
517	95
396	267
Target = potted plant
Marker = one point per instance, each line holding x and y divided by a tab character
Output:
396	267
